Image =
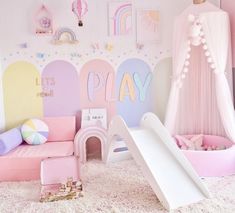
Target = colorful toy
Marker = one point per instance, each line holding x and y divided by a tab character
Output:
80	8
54	172
65	191
43	21
35	131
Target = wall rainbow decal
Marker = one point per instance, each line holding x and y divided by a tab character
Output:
64	35
120	19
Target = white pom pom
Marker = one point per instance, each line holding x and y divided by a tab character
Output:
209	60
205	47
187	56
186	63
196	41
185	70
183	76
203	40
189	49
191	18
213	66
207	53
195	31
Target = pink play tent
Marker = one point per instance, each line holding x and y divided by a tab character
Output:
200	100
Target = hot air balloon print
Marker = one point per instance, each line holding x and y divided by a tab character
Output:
80	8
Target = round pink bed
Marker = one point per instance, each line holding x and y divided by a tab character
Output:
213	163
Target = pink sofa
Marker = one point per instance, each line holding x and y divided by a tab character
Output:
23	163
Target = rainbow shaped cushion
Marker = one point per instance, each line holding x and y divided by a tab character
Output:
35	131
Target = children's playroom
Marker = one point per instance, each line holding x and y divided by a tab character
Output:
117	106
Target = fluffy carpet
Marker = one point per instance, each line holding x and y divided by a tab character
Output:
119	187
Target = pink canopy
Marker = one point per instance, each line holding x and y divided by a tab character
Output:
200	100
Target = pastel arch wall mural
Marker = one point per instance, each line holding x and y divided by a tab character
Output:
133	84
120	18
161	87
97	80
20	93
60	89
2	116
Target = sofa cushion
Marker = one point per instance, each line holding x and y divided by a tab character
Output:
64	148
35	131
23	163
9	140
61	128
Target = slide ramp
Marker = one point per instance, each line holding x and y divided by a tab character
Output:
168	172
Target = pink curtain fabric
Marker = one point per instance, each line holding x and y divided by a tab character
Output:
218	40
200	101
180	49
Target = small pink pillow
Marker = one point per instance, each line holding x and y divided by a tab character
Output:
194	142
61	128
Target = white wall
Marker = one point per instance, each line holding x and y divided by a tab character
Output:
16	18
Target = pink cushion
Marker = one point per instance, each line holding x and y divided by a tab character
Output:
23	163
58	170
61	128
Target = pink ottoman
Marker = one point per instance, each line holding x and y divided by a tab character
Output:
58	170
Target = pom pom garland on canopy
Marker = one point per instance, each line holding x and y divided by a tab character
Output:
200	100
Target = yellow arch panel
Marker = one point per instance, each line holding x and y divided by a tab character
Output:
20	91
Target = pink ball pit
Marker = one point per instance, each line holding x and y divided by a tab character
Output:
214	163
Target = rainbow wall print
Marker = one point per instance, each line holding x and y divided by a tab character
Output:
64	35
120	18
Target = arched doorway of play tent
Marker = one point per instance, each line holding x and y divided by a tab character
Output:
85	138
93	148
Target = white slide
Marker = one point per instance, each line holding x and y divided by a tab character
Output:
167	170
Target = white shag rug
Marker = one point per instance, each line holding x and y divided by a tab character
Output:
119	187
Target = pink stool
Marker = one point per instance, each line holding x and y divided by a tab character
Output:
58	170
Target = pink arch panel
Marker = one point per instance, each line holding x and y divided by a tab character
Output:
97	80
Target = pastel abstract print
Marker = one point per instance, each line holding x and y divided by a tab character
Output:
148	26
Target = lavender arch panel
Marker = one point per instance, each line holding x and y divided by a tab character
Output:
132	111
60	89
